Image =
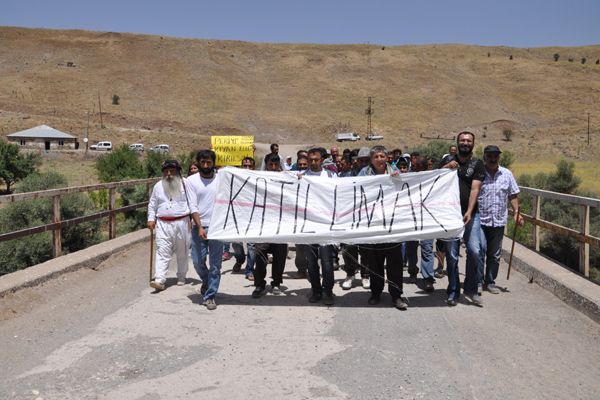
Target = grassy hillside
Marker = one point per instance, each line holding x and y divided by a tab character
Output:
180	91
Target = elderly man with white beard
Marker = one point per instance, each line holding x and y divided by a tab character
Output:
168	213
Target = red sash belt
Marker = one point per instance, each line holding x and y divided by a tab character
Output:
173	218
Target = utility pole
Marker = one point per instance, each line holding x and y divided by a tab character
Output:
369	112
87	133
100	108
588	129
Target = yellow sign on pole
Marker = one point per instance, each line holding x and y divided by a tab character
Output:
231	150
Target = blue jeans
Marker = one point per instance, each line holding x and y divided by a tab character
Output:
452	248
211	275
474	268
427	271
492	248
325	253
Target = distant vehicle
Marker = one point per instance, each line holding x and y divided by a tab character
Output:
374	137
347	136
107	146
137	147
161	148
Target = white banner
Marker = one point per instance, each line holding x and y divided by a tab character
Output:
277	207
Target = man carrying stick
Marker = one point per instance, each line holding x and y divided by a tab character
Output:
168	213
498	188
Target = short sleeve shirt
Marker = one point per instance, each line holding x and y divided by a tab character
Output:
493	197
472	170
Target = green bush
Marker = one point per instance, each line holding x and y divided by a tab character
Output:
119	165
24	252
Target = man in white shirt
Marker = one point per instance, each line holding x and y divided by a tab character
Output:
325	253
202	188
168	213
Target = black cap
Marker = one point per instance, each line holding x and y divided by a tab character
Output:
492	148
171	164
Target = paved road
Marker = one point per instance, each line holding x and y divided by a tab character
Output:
102	334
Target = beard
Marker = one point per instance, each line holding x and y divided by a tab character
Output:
465	149
172	187
206	171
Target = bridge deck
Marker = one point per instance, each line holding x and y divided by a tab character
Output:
103	334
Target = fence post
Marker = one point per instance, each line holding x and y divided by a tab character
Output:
536	206
584	248
112	218
56	240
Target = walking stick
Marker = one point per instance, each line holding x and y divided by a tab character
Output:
512	247
151	253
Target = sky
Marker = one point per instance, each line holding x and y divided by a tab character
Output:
515	23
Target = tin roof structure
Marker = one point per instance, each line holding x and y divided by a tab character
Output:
42	131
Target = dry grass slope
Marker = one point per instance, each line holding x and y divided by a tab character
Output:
181	91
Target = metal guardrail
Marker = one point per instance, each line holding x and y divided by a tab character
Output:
582	235
57	223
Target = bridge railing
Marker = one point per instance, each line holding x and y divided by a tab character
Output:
581	235
58	223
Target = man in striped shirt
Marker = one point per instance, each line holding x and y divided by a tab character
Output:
498	188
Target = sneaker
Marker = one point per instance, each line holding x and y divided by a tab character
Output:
210	304
412	278
400	304
227	256
493	289
451	302
440	273
315	297
180	281
474	298
237	267
157	285
258	292
328	299
374	299
366	283
429	287
276	290
250	276
347	284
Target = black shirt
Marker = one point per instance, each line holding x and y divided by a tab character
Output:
467	172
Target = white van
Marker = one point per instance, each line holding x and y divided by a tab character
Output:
102	146
137	147
373	136
161	148
347	136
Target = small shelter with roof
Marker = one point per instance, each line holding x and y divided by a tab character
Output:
44	137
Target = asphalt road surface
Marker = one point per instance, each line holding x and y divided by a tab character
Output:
104	334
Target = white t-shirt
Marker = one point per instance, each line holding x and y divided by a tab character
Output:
202	193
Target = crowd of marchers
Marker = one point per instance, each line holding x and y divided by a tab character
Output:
180	210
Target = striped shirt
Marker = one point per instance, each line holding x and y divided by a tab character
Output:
493	197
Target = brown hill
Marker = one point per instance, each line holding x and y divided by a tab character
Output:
180	91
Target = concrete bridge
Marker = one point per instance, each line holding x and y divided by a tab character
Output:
87	326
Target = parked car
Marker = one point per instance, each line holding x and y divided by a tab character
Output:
107	146
137	147
374	137
347	136
161	148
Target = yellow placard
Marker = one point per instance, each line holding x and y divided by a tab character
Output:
231	150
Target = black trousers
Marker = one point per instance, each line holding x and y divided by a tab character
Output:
385	258
350	254
279	251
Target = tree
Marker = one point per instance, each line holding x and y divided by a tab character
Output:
583	60
37	248
15	165
120	164
115	99
433	148
556	56
507	134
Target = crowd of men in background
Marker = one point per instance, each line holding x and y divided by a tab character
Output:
486	189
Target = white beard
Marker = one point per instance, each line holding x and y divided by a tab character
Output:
172	187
